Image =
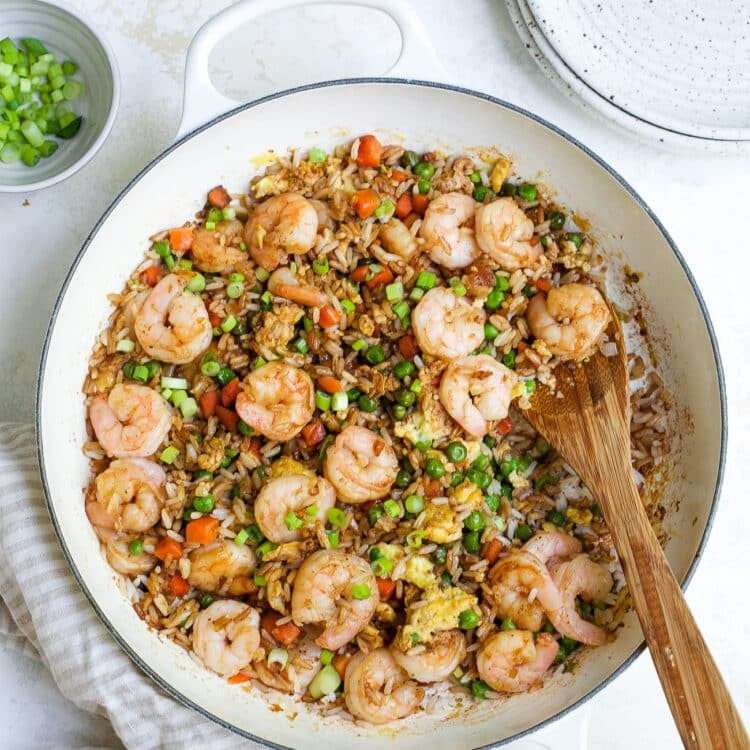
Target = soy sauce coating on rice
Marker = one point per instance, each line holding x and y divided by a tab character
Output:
307	440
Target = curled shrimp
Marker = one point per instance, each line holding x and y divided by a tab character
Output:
128	495
279	497
337	590
511	661
569	320
396	238
130	421
223	567
476	390
433	661
284	224
296	675
119	556
360	465
283	283
226	636
277	400
549	545
376	688
448	230
582	577
513	579
217	251
172	324
504	233
447	326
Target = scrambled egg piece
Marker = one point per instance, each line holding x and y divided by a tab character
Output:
286	466
518	480
467	492
580	516
391	551
419	571
441	524
440	613
272	184
519	389
499	173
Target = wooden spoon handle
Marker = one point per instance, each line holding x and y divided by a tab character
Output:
701	705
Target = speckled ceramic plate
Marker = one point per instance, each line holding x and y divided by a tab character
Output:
673	64
726	135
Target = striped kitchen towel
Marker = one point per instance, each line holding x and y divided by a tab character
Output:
44	613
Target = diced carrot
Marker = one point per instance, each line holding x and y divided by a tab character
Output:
381	277
433	488
365	202
359	274
238	678
229	392
150	275
181	239
228	418
219	197
522	346
369	152
167	547
340	662
178	585
284	634
328	316
208	402
329	384
420	203
203	530
398	176
492	550
543	285
386	587
251	445
404	205
504	426
313	433
535	240
214	319
407	345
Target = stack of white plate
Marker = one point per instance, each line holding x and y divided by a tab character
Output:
669	69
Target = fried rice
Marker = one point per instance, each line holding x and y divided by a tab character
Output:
448	515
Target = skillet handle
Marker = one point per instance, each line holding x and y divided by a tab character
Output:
201	101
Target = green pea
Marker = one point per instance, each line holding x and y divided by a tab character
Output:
479	478
367	403
434	468
494	299
492	502
490	332
554	516
204	504
471	542
206	601
481	462
556	220
524	532
135	547
509	359
410	159
456	452
403	479
398	411
403	369
527	192
507	624
405	397
475	521
440	554
509	189
575	238
375	355
468	619
423	185
509	465
457	478
424	169
374	514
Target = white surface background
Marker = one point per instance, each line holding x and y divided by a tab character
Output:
701	199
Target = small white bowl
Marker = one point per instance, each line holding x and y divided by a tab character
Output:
66	35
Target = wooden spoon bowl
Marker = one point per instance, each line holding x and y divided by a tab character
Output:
587	420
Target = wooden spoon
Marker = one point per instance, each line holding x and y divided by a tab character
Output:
588	422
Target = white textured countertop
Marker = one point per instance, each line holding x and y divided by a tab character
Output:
701	199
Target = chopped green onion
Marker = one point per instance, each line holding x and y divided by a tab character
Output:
348	306
322	400
361	591
573	237
326	657
479	689
245	429
174	383
254	534
382	567
468	619
392	508
241	537
374	514
301	345
261	274
291	521
333	538
210	369
228	324
265	300
260	581
556	220
457	286
278	656
140	373
414	538
507	624
416	386
235	289
475	177
339	401
358	345
316	155
394	291
321	266
386	207
403	311
125	345
327	681
530	386
337	517
169	454
426	280
416	294
206	601
189	408
480	192
544	480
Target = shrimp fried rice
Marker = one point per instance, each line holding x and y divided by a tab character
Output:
307	442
